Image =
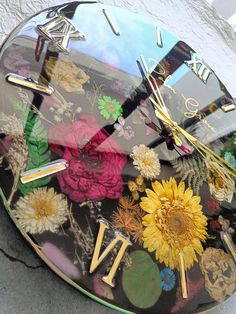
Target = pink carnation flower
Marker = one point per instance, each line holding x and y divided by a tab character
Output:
95	160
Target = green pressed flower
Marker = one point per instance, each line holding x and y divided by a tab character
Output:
110	107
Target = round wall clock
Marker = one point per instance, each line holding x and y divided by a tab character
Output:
118	158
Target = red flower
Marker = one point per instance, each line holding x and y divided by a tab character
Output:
214	224
95	160
213	205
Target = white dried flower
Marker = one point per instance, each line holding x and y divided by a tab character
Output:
78	110
57	118
41	210
146	161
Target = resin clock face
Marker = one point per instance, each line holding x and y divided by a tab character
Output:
117	154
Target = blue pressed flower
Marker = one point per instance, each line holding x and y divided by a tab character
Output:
168	279
230	159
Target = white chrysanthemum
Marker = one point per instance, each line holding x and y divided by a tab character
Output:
41	210
146	161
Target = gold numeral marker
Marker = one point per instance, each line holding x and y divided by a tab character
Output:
111	22
159	38
183	277
198	67
144	64
22	81
228	243
97	260
44	171
228	107
60	30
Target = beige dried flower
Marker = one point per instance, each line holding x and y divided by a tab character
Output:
11	125
219	271
221	184
17	155
66	74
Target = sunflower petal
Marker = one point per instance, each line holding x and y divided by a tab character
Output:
148	205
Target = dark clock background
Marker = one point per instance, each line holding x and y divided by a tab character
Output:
26	284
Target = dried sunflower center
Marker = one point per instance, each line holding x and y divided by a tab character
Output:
43	208
177	223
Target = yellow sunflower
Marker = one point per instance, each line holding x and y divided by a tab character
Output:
174	224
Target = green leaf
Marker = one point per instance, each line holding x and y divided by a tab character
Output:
37	142
141	281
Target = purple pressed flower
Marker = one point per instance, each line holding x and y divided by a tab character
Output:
101	288
15	62
60	260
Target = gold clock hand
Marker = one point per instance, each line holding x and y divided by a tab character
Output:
158	96
205	151
161	112
154	86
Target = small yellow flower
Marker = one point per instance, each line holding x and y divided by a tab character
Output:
174	223
136	186
41	210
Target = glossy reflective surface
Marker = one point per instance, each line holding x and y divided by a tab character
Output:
111	151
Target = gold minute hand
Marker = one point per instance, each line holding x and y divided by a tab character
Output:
200	147
154	87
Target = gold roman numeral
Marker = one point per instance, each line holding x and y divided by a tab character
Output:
159	38
183	279
198	67
44	171
228	107
98	258
60	30
28	83
228	243
112	24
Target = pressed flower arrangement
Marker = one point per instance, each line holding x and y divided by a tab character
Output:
126	203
